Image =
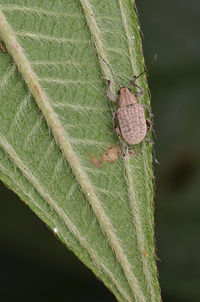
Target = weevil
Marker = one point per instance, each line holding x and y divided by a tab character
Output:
131	117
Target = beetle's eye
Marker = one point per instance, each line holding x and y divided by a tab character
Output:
129	89
119	91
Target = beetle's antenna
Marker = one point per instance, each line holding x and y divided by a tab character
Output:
147	68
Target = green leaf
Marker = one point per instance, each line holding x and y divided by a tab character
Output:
56	118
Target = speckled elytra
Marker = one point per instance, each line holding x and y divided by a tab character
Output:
131	118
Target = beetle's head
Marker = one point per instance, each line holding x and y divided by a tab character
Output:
124	90
126	97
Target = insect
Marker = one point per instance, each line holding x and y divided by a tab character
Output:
130	114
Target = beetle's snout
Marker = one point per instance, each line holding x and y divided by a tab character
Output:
124	90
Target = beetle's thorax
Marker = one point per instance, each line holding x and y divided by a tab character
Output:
126	97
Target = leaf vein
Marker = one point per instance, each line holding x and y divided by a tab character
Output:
7	76
134	202
30	137
59	40
38	11
58	81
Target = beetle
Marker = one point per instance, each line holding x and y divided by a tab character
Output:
131	117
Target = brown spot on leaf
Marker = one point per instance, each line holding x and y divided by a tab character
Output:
132	153
36	89
2	47
146	253
111	154
95	161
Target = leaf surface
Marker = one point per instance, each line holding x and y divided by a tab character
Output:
55	117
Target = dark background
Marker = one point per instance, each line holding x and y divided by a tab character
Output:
30	254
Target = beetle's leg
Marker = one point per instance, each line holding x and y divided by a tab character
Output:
150	125
149	122
118	132
149	140
114	122
108	94
142	91
113	119
149	110
139	94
